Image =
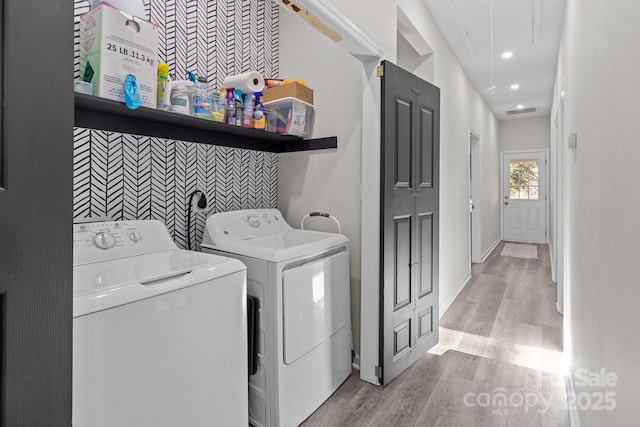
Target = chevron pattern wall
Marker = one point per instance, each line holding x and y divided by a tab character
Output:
126	177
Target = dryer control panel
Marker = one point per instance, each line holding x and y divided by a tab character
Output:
244	224
103	241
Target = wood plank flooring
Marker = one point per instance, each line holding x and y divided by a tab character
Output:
498	363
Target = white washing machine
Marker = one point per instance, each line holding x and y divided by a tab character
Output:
301	281
159	333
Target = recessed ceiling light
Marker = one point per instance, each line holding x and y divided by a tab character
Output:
507	54
515	86
520	107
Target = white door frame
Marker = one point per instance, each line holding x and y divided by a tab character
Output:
370	224
558	246
475	174
546	188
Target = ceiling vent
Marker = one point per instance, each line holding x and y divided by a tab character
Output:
522	111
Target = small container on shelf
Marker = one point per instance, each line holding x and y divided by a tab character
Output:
289	116
201	100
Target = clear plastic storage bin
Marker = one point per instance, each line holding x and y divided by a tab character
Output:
289	116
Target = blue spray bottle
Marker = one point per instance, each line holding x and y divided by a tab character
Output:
258	120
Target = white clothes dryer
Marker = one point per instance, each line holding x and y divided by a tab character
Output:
159	333
301	282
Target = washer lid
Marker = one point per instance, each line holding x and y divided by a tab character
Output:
282	246
100	276
102	285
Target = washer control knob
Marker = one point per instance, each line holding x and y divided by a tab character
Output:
254	221
104	240
135	236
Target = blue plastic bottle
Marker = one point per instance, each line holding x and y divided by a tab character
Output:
258	120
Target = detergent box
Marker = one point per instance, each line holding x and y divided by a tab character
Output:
113	45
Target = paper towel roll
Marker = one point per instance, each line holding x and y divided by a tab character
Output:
248	82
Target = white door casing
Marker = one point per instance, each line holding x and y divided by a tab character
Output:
524	196
559	207
475	188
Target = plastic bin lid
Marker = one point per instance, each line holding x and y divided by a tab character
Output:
288	98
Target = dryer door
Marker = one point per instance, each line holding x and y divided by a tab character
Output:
315	303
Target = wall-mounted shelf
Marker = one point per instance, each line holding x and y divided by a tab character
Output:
105	114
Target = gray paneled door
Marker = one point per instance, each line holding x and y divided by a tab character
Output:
409	219
35	212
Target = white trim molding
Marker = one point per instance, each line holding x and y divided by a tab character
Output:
325	17
574	415
446	303
356	362
491	248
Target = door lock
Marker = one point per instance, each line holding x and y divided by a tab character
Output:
506	203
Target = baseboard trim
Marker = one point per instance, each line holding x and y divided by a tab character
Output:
488	252
355	364
444	305
574	415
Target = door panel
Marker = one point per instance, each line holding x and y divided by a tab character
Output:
402	287
524	196
401	339
514	219
409	219
532	220
426	148
425	324
426	255
403	167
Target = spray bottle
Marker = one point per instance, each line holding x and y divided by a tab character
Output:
258	120
201	100
231	107
247	116
239	106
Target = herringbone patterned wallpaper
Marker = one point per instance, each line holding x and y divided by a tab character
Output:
137	177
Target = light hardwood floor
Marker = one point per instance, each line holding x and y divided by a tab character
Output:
501	337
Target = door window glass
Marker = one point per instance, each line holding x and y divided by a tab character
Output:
523	180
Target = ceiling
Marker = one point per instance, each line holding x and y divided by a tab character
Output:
530	29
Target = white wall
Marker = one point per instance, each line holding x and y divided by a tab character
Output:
598	72
524	134
331	180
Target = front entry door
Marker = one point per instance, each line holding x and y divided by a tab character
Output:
409	219
524	197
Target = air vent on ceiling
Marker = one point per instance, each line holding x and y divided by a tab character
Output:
522	111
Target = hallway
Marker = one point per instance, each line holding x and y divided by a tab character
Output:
498	363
